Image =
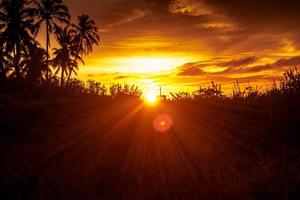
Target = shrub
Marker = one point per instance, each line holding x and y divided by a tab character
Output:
95	88
215	92
181	96
117	90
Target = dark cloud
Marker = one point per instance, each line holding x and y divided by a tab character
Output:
109	12
112	12
240	62
237	66
252	69
221	26
258	12
246	79
279	64
293	61
121	77
196	68
191	71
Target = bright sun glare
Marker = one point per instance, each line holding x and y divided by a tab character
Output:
150	98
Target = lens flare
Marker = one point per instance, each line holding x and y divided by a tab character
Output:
162	123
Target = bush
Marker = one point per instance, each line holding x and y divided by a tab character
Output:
181	96
96	88
117	90
213	92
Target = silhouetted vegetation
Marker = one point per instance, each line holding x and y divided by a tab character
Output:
62	138
245	146
24	63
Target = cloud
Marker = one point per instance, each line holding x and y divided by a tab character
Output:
198	68
277	65
190	71
293	61
129	17
257	12
189	7
252	69
216	26
121	77
236	66
241	61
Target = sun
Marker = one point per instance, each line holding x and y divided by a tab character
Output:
150	98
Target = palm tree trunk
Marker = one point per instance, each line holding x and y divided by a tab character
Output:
69	76
71	70
62	77
17	57
47	48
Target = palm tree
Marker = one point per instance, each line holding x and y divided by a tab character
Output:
16	28
65	55
86	35
5	65
51	12
35	64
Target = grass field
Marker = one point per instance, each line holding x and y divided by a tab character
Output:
103	149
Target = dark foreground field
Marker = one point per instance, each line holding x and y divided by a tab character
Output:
90	149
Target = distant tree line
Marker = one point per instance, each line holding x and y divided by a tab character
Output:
288	86
279	104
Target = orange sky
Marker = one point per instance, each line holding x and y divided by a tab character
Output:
182	44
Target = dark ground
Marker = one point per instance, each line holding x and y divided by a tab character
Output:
92	149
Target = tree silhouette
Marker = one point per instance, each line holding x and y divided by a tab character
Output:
181	96
51	12
86	35
119	91
65	55
21	56
35	64
5	64
96	88
16	27
215	91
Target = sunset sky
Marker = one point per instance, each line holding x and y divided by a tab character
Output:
182	44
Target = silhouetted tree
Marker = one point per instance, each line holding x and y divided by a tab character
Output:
51	12
96	88
215	91
86	35
5	64
291	82
181	96
35	64
117	90
237	92
248	93
16	27
65	55
76	87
